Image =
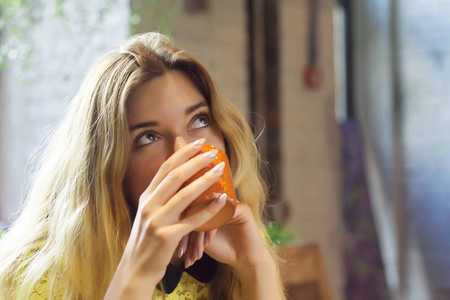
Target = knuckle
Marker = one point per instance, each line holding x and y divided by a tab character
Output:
213	208
207	213
165	167
145	214
246	208
158	234
152	228
173	176
188	193
144	210
196	219
161	236
145	207
185	189
143	197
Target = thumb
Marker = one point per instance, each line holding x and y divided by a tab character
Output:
179	142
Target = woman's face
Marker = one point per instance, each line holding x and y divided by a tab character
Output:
159	111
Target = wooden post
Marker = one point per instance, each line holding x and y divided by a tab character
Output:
264	90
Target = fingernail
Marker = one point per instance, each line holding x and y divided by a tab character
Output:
206	241
211	154
180	251
197	255
218	168
199	142
187	263
219	201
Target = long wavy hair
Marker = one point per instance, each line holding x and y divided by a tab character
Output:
76	220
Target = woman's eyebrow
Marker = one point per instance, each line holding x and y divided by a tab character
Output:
188	111
194	107
143	125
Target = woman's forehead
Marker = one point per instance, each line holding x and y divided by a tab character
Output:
171	93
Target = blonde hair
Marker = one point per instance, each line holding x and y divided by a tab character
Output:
76	221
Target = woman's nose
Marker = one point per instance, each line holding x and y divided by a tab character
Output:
182	140
179	142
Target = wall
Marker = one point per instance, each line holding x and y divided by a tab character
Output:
310	135
217	36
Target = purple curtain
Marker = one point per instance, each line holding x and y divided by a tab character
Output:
365	278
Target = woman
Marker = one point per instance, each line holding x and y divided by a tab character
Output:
101	219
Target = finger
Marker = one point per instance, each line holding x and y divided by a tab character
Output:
183	245
242	214
189	224
195	248
209	236
178	158
176	178
181	200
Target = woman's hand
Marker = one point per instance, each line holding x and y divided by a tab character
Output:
192	244
157	229
241	245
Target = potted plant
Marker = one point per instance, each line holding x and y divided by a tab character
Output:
302	270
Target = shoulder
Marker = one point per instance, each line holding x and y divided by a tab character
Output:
43	288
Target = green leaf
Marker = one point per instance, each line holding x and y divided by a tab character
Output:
280	235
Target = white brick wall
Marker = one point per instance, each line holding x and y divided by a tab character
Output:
216	36
310	136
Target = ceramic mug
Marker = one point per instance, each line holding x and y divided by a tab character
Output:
223	185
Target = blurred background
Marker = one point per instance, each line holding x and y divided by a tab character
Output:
350	98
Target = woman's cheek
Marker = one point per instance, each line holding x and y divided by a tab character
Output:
139	177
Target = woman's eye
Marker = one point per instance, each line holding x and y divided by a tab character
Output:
200	122
146	139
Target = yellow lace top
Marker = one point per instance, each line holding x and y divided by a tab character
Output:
187	289
179	283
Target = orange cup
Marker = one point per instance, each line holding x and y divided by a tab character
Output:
223	185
